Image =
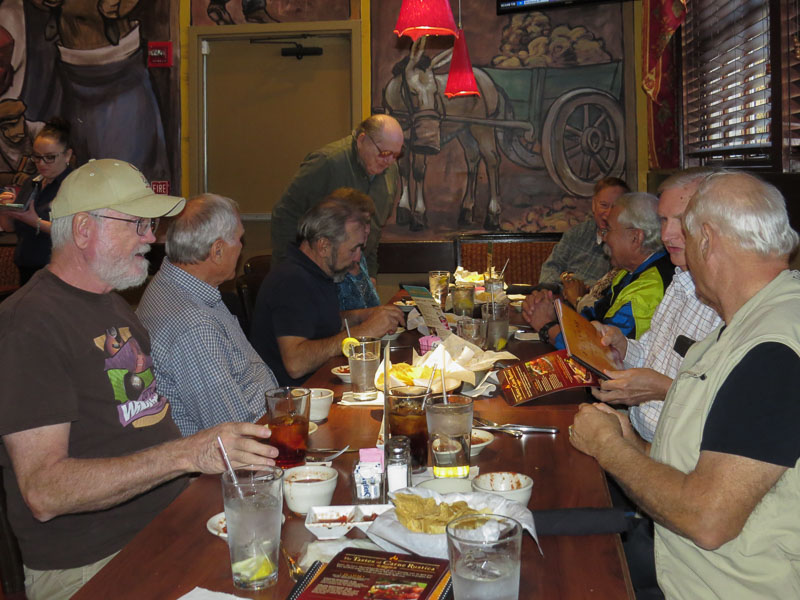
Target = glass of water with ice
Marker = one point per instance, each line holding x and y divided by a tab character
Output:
363	359
253	515
484	553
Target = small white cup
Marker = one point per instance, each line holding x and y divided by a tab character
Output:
321	400
307	486
512	486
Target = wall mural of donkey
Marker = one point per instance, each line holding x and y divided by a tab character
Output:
415	97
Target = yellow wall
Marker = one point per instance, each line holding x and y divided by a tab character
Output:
641	99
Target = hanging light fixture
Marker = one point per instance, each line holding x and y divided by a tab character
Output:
425	17
461	78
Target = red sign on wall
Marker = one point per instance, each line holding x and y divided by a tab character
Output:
159	54
160	187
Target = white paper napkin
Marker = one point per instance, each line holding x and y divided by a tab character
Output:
485	387
347	400
199	593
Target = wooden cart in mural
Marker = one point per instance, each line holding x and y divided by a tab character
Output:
577	119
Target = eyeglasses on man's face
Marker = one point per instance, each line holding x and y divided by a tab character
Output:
386	154
47	159
143	225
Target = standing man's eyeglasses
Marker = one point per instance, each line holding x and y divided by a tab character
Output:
47	159
387	153
142	225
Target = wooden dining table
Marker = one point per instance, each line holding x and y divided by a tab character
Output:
176	553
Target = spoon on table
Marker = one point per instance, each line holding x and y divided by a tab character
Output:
328	458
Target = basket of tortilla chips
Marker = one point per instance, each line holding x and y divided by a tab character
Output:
417	523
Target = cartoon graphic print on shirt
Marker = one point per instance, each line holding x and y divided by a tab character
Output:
130	372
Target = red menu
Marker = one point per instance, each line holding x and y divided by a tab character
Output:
544	375
358	574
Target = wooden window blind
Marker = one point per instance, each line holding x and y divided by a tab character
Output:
726	83
790	51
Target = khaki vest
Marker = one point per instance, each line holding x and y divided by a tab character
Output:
763	561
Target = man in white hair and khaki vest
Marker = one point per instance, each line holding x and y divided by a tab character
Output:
721	479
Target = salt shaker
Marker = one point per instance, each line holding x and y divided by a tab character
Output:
398	463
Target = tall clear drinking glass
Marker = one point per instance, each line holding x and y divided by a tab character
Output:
253	514
484	553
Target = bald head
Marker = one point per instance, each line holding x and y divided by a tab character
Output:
379	140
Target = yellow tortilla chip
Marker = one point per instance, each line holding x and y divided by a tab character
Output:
423	515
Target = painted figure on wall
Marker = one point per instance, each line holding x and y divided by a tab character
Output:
549	122
16	143
233	12
83	60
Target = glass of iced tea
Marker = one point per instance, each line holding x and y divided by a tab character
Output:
287	411
407	417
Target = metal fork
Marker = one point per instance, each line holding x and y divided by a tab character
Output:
483	424
517	428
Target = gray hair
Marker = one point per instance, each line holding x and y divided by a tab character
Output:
679	179
743	208
328	219
61	228
61	232
638	210
205	219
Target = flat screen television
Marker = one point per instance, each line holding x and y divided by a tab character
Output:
511	6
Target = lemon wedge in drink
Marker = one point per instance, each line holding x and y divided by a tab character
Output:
348	343
501	343
253	569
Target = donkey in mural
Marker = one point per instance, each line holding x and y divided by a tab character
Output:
415	97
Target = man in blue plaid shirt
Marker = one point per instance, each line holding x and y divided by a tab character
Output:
203	362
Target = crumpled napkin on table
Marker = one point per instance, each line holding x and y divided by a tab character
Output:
485	387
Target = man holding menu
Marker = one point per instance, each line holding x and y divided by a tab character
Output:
653	360
721	479
90	453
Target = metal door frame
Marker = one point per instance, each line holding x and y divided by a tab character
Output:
199	37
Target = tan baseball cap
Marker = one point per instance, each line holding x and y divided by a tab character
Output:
112	183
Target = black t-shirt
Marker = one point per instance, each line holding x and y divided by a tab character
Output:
756	413
297	299
71	356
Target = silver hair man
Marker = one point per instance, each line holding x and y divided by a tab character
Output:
191	235
639	211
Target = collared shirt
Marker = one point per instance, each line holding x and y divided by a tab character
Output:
579	251
680	313
203	362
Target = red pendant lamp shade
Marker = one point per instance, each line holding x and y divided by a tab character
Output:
461	79
425	17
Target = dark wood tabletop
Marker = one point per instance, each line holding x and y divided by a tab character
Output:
175	553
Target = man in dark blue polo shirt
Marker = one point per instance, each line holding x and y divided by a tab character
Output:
297	325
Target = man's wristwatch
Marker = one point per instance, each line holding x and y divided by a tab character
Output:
544	332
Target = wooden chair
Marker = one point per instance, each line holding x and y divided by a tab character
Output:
11	573
9	274
248	284
526	253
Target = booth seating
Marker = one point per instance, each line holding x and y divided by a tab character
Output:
9	275
248	284
526	253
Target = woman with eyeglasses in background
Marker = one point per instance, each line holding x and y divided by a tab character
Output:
51	155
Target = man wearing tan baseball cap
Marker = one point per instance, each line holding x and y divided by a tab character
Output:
90	448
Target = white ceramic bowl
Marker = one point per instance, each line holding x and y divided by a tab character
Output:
390	337
485	438
513	486
332	522
342	372
307	486
321	400
447	485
